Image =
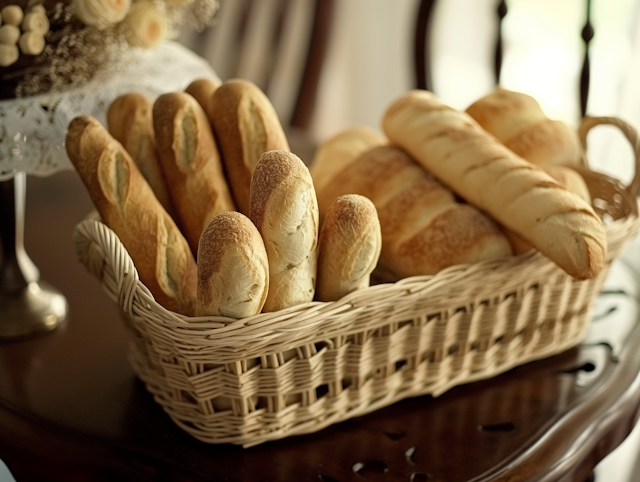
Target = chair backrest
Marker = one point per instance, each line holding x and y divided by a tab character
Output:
423	59
279	45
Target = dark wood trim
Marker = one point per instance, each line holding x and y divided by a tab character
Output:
422	45
585	75
499	51
320	34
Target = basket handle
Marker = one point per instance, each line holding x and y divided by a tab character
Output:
629	132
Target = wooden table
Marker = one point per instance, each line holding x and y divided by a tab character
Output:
72	409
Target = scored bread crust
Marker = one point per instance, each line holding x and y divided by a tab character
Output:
190	163
285	211
348	248
246	125
130	122
233	269
337	152
202	90
518	194
518	122
128	206
424	229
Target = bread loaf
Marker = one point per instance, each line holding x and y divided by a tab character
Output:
245	125
336	153
518	122
285	211
349	247
128	206
130	122
569	179
515	192
424	228
190	163
233	270
202	90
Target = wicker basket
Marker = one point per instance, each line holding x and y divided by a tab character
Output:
301	369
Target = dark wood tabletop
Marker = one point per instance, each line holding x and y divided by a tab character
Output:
71	407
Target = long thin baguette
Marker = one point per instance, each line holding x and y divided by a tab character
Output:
128	206
245	125
130	123
518	194
190	163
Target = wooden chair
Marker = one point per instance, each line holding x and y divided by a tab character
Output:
280	45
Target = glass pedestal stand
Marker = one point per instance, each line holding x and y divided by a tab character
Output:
28	306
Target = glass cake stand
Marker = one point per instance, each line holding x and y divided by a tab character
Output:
32	135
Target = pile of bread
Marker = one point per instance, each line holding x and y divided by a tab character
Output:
220	218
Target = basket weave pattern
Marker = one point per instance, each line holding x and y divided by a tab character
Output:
301	369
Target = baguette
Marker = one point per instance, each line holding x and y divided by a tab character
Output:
518	122
424	229
518	194
130	122
245	125
349	247
202	90
285	211
233	270
190	163
336	153
128	207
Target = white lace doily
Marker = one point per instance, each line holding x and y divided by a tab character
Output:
33	129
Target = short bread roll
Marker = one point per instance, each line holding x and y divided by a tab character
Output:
245	125
202	90
424	228
190	163
518	122
233	270
128	206
337	152
285	211
130	122
349	247
519	195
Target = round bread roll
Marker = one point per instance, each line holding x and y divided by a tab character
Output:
233	269
518	122
349	247
284	208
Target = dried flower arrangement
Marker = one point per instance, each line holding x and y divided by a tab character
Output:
49	45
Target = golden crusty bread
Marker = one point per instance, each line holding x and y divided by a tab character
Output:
570	179
349	247
518	194
233	269
334	154
424	228
130	122
190	163
128	206
285	211
245	125
202	90
518	122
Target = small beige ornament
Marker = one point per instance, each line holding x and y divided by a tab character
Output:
39	8
9	34
101	13
8	55
12	15
147	25
35	22
31	43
